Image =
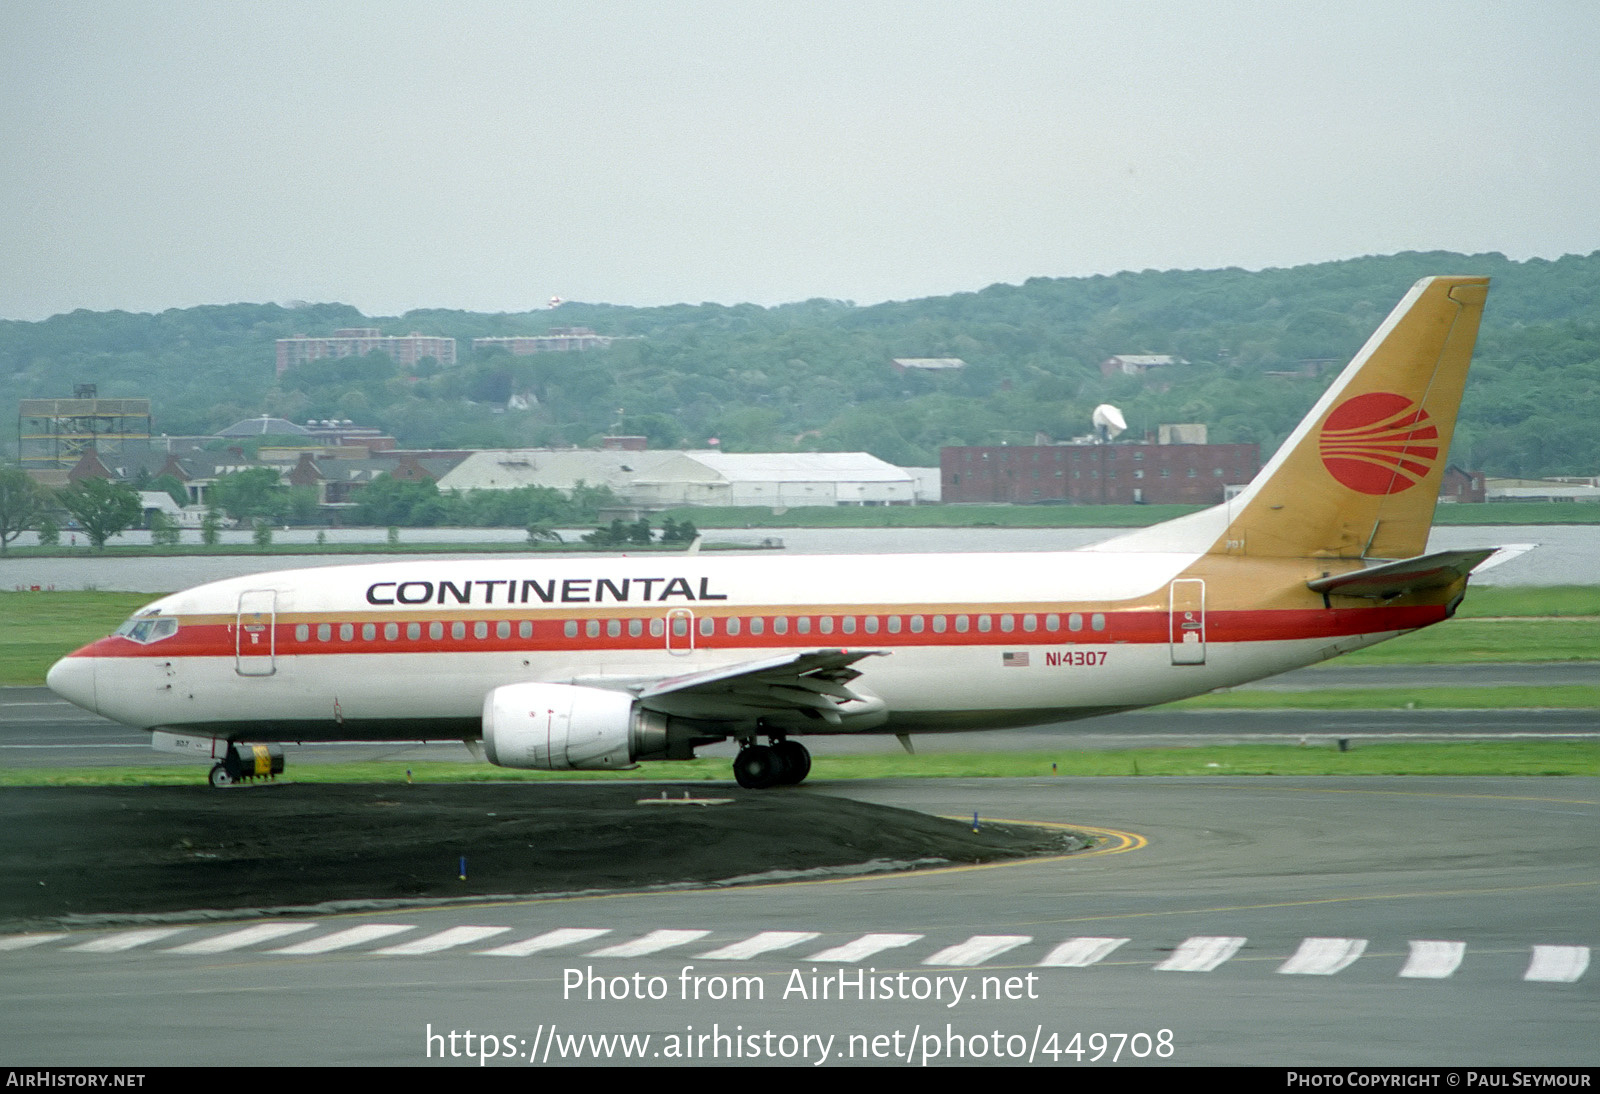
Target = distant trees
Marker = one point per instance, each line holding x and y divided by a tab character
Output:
102	508
22	503
817	374
388	501
248	495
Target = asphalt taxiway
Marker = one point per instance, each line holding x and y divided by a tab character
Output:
1274	921
1415	921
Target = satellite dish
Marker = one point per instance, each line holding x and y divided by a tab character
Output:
1108	422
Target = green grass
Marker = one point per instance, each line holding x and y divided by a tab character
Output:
1525	600
1465	640
1468	758
36	629
1566	696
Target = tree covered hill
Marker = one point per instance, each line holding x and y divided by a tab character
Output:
816	375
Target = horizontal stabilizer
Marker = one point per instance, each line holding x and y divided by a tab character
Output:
1433	571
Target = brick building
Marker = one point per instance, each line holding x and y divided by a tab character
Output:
1096	474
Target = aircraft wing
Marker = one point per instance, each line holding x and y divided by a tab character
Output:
812	683
1409	574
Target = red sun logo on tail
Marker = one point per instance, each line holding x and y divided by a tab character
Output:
1379	443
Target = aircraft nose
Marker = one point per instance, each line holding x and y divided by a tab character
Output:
72	678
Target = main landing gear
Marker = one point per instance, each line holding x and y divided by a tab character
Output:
782	763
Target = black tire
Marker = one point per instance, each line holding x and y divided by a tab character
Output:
220	777
794	760
756	767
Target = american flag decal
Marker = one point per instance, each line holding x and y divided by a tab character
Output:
1014	660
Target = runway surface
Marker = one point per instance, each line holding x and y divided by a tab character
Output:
1243	921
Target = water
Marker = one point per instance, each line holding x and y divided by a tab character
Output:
1567	554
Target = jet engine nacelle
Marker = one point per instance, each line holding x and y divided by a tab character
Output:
562	727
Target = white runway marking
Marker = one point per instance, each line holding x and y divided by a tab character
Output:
23	941
343	940
1202	953
1080	953
1323	956
1432	960
1557	964
765	942
654	942
978	949
248	936
865	946
550	940
126	940
444	940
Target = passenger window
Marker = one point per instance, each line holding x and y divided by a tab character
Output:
480	629
708	626
848	624
1075	622
938	624
1008	623
1052	622
1097	621
458	629
985	624
871	624
758	625
803	625
825	625
591	629
680	626
917	624
324	632
570	628
894	624
613	628
391	631
525	628
657	628
502	629
369	631
1030	622
302	633
962	624
733	626
780	625
435	631
635	628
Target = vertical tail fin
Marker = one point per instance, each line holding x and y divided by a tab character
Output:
1359	477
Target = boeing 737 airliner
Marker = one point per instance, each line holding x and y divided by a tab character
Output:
601	662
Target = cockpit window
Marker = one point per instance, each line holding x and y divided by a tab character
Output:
147	629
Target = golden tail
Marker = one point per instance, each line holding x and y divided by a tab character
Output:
1360	476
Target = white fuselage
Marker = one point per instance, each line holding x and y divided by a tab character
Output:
411	648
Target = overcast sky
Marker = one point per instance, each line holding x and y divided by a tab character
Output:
490	155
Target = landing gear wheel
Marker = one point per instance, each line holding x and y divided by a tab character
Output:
794	761
220	776
756	767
